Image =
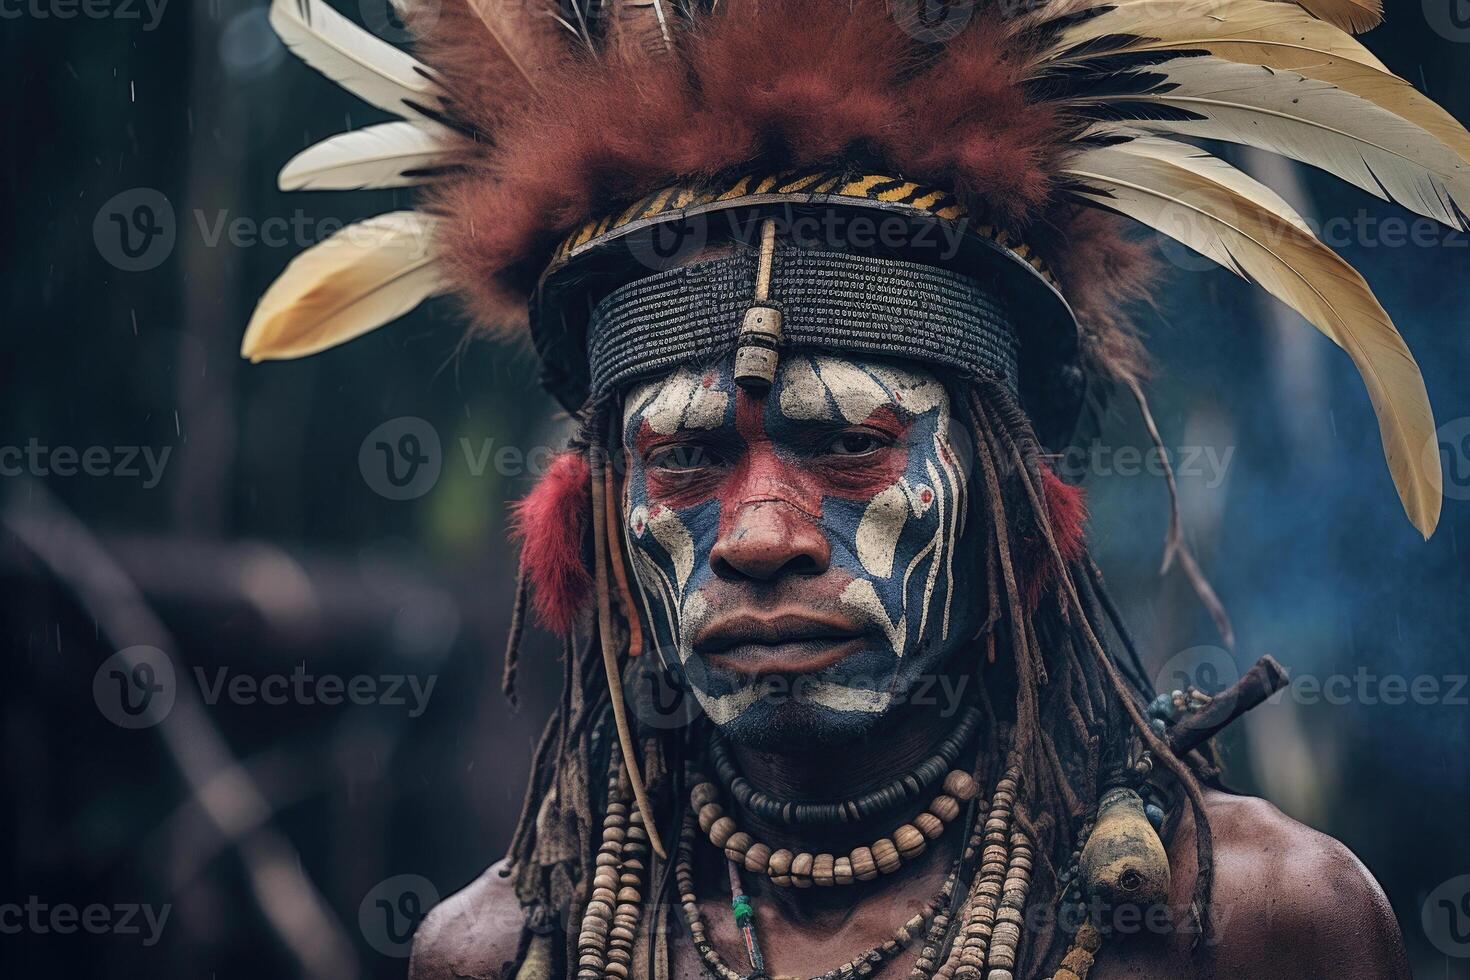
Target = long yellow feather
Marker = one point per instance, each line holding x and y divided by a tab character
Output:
1353	16
1188	195
353	282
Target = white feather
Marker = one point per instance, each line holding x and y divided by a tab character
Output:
355	281
1234	221
367	66
1316	123
377	156
1261	32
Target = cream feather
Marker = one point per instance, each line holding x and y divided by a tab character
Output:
1262	32
1353	16
1188	195
377	156
1313	122
353	282
1276	35
368	67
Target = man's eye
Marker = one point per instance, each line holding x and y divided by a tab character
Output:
857	443
681	459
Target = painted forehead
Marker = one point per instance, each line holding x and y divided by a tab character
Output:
808	388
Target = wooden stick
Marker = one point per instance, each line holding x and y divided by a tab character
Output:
1259	683
610	656
620	573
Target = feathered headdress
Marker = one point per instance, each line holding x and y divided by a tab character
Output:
542	130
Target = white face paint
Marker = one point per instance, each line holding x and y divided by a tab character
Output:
858	452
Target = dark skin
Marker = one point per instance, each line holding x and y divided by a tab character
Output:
1288	902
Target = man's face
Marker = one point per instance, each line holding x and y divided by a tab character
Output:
804	552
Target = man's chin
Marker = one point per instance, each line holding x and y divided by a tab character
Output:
783	718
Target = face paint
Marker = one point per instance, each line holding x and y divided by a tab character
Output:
797	552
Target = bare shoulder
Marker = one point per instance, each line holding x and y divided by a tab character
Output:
473	934
1289	901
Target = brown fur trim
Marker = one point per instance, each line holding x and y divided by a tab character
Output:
758	86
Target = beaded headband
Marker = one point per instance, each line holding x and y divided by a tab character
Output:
871	265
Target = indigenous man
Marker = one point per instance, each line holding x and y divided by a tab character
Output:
828	287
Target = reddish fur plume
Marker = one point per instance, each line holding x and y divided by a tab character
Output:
1066	507
755	87
554	136
551	523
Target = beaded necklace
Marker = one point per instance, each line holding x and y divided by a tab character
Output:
970	935
862	965
891	796
803	870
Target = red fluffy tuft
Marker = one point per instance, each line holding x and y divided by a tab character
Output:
1066	507
551	523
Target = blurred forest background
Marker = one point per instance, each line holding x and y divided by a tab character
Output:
303	839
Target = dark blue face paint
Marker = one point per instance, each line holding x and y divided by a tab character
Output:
803	555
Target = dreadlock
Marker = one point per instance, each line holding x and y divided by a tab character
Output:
1054	698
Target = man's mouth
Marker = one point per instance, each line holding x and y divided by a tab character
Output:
779	642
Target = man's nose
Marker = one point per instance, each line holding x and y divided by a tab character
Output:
768	539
